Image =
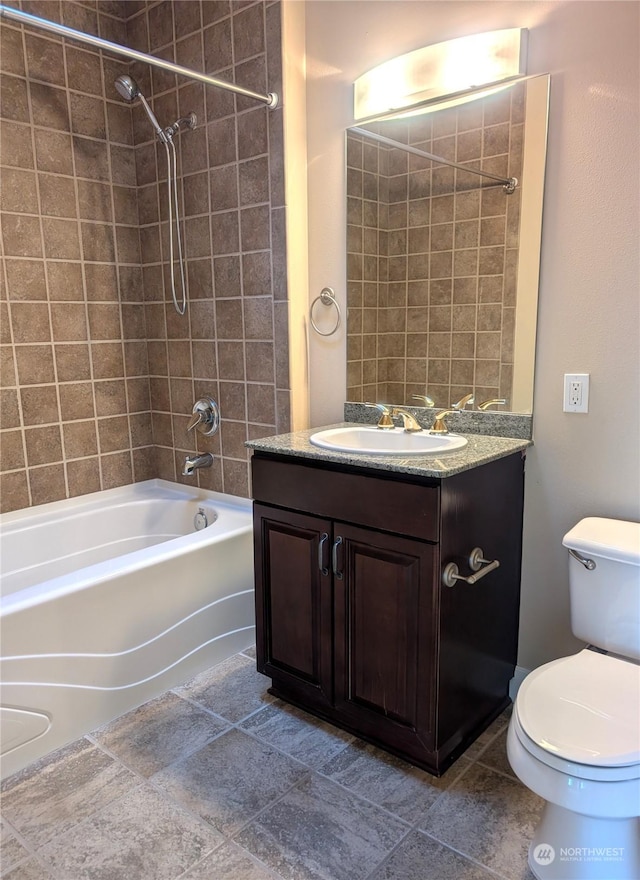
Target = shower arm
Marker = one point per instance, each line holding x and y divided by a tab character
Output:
271	100
190	121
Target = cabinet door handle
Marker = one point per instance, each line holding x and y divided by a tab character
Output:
324	537
334	558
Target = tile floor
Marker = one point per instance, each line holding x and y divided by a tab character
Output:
217	780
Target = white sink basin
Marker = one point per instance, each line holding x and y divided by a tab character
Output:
393	441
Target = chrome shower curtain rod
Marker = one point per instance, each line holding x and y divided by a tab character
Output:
271	100
509	183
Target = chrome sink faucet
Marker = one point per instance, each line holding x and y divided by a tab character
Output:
198	461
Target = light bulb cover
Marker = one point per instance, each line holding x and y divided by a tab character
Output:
454	67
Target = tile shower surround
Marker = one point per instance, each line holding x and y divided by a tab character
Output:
216	779
98	373
432	256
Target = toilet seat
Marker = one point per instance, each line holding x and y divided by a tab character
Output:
581	715
589	772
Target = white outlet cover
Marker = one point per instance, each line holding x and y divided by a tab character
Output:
582	404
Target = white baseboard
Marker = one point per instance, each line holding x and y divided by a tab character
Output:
518	677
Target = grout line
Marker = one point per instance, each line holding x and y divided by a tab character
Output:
463	855
245	853
384	861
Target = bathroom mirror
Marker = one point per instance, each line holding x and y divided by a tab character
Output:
442	264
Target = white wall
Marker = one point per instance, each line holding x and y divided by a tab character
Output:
588	317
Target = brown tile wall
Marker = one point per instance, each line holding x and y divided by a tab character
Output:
232	346
432	257
75	409
98	374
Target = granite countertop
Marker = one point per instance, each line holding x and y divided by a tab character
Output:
479	450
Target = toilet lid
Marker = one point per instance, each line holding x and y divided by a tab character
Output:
584	708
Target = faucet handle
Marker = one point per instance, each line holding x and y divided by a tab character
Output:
206	416
385	420
468	398
428	401
196	419
439	424
495	401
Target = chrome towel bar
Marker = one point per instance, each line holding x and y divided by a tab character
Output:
476	561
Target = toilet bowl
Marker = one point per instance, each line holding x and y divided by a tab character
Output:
574	735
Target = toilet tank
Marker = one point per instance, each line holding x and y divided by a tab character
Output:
605	602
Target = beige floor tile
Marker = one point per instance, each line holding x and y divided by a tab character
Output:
230	862
488	817
495	755
390	782
319	831
297	733
419	856
29	870
50	797
143	836
11	850
230	780
232	689
500	723
158	733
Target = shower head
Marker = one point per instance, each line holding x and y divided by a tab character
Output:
129	89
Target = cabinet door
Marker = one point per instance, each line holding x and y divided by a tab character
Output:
385	616
294	603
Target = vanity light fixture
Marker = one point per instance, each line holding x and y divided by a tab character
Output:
453	68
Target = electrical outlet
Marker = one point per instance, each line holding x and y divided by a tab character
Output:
576	392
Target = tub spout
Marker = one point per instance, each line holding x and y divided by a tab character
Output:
198	461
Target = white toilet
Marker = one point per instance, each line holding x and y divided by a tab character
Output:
574	736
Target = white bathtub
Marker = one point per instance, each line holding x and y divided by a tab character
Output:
110	599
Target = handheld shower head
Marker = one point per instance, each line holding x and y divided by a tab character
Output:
129	89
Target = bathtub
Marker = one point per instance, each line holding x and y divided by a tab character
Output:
110	599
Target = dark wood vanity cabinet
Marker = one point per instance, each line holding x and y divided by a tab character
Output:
353	621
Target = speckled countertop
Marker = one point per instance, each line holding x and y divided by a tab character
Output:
479	450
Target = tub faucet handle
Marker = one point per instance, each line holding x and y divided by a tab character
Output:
195	420
206	416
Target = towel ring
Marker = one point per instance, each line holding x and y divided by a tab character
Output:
328	298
